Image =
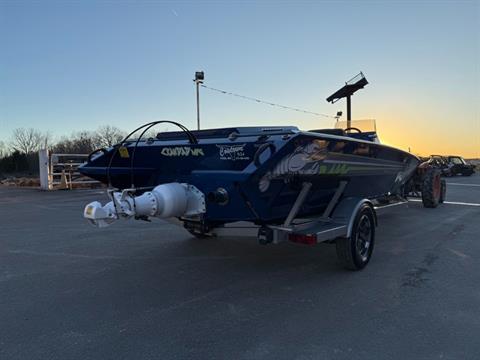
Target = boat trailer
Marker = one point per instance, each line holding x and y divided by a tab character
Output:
349	222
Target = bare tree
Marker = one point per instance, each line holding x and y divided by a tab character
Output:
28	140
47	141
152	133
3	150
78	143
108	135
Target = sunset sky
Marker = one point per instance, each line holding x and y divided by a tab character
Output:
70	66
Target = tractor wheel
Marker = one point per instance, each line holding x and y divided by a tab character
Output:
354	252
443	192
431	189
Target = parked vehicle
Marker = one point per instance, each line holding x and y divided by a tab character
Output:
458	166
441	163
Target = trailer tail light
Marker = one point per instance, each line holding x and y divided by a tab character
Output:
308	239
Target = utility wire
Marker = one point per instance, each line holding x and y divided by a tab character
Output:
265	102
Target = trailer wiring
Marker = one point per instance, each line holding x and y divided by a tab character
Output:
191	138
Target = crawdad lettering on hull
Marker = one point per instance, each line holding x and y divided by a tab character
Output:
182	151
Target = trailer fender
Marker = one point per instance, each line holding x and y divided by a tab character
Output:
347	209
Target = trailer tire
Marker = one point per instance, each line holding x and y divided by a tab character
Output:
354	252
431	189
198	231
443	192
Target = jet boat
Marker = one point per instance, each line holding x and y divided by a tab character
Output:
307	186
276	182
255	173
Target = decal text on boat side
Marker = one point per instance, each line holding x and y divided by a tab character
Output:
182	151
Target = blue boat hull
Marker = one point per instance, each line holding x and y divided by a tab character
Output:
260	170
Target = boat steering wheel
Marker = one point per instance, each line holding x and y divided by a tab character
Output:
353	128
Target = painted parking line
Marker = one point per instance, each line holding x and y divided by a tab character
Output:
450	202
460	184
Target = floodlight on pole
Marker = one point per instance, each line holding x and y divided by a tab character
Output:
351	86
339	114
199	77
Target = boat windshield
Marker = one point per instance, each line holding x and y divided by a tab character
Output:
367	125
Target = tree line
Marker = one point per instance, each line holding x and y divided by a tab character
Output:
19	153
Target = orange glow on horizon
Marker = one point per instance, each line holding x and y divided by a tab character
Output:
425	140
422	137
425	137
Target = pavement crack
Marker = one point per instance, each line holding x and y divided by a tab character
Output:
416	277
457	229
430	259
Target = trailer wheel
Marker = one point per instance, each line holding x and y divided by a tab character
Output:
443	192
198	231
431	189
354	252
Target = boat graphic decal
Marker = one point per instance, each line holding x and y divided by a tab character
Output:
182	151
317	158
305	160
340	169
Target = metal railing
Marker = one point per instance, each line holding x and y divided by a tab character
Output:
60	171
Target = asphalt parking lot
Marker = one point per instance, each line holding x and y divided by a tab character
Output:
141	290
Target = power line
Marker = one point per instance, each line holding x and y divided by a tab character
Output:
265	102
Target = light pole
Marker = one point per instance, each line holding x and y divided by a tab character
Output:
199	77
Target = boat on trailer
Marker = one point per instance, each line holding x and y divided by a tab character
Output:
278	182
